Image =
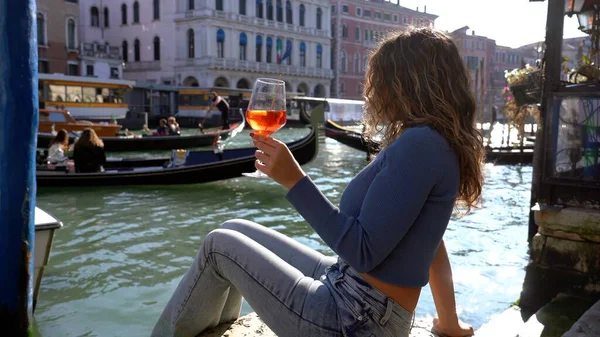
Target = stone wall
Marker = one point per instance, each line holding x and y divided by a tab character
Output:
564	256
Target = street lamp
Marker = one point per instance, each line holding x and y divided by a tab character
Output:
573	7
588	19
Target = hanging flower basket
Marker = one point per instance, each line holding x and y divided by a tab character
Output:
526	86
529	91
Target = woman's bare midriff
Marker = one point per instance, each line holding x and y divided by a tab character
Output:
405	297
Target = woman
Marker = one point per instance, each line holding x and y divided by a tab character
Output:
173	127
387	231
161	130
89	153
58	147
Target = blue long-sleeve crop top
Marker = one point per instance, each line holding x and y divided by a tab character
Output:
393	214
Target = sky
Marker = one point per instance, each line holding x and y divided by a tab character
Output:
511	23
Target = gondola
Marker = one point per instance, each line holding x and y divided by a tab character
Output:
198	167
503	155
349	137
157	143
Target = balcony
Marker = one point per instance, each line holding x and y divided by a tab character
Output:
205	13
142	66
369	44
100	51
215	63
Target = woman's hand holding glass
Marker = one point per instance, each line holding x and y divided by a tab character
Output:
275	159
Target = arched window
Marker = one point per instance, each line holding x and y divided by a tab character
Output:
243	7
71	43
125	51
191	44
302	54
191	5
219	5
269	49
41	29
136	50
156	10
356	63
259	43
319	56
95	16
279	11
302	13
136	12
156	46
106	18
289	15
220	43
243	43
259	9
269	9
343	62
123	14
365	63
319	17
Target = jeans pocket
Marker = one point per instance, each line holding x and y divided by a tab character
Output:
354	313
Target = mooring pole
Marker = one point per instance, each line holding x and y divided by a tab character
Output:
18	130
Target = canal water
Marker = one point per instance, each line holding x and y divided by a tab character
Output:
123	250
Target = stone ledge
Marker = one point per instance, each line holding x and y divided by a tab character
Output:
572	255
571	223
588	325
251	325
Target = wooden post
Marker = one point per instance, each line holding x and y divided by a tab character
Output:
552	69
18	130
481	93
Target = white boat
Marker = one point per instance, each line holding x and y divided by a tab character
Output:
45	225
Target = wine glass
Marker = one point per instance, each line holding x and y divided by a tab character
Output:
266	110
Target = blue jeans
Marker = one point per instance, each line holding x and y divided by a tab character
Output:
296	290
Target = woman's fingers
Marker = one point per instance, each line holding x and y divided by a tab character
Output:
262	157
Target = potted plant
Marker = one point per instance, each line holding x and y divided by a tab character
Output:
525	84
585	72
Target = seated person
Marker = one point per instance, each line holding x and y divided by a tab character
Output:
173	127
146	131
162	128
89	153
56	153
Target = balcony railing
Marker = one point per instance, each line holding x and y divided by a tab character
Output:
142	66
249	20
251	66
369	44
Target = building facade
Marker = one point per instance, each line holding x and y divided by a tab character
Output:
217	43
58	40
357	25
487	63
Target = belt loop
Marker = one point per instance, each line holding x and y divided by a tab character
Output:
388	312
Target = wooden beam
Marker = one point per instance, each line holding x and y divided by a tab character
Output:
552	68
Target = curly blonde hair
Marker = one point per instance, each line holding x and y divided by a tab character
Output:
417	77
